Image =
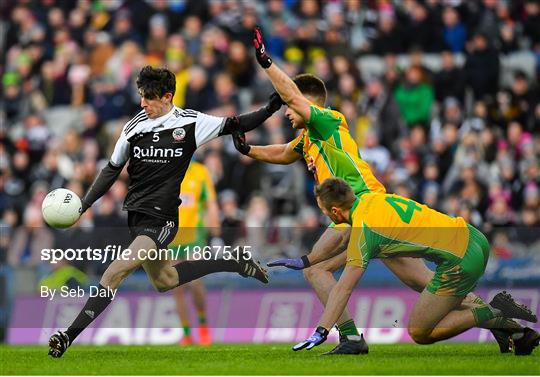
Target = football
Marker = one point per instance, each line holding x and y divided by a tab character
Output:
61	208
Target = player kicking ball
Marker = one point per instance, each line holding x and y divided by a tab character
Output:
159	143
387	226
329	151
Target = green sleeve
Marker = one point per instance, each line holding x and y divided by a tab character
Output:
322	123
298	144
359	250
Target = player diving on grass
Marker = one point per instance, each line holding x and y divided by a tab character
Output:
388	226
198	218
159	143
329	150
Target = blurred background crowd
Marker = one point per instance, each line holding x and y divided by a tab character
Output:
441	96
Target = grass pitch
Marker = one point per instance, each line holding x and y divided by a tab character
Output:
248	359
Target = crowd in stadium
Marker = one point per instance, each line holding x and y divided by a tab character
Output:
457	138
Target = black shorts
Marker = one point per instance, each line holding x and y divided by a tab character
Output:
162	232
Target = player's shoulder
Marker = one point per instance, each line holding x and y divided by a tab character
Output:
325	111
320	116
185	113
134	121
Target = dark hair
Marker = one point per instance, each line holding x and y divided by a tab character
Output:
311	85
335	192
155	82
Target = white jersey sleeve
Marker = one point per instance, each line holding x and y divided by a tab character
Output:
121	151
207	127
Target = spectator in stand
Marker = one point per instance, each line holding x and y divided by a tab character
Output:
450	80
240	65
531	24
199	93
389	39
380	107
375	154
423	30
482	67
414	98
123	29
29	240
455	32
525	99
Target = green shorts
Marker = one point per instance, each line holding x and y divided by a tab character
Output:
181	251
461	278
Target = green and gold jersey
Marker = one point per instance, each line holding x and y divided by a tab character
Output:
197	188
387	225
328	144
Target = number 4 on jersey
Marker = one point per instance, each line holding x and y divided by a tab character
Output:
404	208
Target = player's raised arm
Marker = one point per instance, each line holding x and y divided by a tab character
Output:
284	85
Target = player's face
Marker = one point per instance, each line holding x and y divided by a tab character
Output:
156	107
296	119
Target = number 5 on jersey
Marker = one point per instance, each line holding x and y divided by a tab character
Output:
155	137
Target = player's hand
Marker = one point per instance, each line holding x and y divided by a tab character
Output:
260	51
274	103
240	143
292	263
318	337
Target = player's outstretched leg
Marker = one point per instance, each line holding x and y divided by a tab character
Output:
113	276
164	276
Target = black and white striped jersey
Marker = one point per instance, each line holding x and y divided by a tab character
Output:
159	152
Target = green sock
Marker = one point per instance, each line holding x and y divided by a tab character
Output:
348	328
478	300
202	318
187	330
482	314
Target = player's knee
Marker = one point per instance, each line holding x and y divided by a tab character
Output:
420	336
162	284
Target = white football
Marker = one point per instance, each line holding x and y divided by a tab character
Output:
61	208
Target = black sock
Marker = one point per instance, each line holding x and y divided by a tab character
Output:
93	307
192	270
